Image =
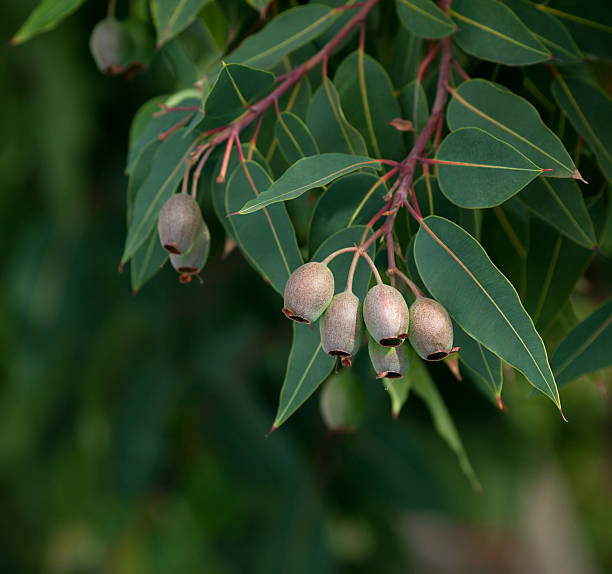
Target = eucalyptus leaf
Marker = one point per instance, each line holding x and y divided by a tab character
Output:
171	17
424	18
45	17
294	137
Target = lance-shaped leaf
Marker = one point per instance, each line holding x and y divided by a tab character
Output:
329	126
590	111
294	137
46	16
424	387
267	236
554	264
489	30
237	87
398	390
547	29
287	32
586	348
171	17
460	275
163	179
367	98
306	174
424	18
350	200
478	170
308	365
483	367
559	202
499	112
149	258
589	23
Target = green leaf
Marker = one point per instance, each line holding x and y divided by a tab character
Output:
308	173
425	388
554	265
586	348
547	29
329	126
479	170
294	137
166	173
589	23
459	274
489	30
139	175
483	367
285	33
559	202
308	365
237	87
350	200
149	258
259	5
268	236
512	119
590	111
398	390
424	18
171	17
367	98
46	16
413	101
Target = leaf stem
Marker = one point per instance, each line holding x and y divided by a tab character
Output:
338	252
413	287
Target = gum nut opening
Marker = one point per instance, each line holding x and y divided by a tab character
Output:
179	223
308	292
193	261
431	329
340	326
386	315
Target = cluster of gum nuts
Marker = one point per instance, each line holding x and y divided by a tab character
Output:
183	233
309	294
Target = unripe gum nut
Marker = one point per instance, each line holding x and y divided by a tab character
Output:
308	292
390	362
431	329
386	315
179	222
342	402
193	261
340	326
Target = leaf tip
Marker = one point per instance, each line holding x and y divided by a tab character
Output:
562	415
577	175
120	267
500	404
272	429
395	413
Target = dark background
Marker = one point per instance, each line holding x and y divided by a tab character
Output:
132	428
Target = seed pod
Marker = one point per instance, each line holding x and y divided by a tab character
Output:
342	402
109	43
431	329
308	292
340	327
386	315
179	223
389	362
193	262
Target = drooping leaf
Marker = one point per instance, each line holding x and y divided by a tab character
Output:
398	390
139	175
308	365
46	16
459	274
512	119
287	32
367	98
237	87
329	126
547	29
590	111
350	200
171	17
424	18
424	387
586	348
149	258
479	170
489	30
484	367
308	173
554	265
559	202
166	173
589	23
294	137
268	236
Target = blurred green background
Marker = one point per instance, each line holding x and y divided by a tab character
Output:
132	428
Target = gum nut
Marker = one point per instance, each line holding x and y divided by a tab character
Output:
179	223
308	292
340	326
342	402
431	329
386	315
389	362
193	262
108	43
